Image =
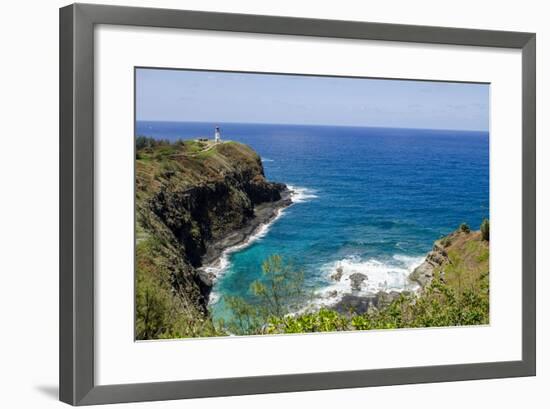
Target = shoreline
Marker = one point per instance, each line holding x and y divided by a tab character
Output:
348	290
418	277
264	215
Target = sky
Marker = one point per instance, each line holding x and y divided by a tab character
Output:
213	96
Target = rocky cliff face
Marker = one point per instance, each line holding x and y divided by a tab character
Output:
436	258
461	255
189	197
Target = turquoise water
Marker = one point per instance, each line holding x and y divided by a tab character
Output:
369	200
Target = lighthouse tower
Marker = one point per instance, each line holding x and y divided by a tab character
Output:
217	135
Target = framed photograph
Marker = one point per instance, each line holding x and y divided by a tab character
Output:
257	204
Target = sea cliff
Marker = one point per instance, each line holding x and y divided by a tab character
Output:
194	199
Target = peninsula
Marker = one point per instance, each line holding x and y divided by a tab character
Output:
194	199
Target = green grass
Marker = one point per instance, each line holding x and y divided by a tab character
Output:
165	151
192	146
207	153
469	260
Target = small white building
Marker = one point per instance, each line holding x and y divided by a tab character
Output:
217	135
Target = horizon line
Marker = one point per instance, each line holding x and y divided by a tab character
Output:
321	125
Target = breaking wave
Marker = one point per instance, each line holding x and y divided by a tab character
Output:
301	194
387	275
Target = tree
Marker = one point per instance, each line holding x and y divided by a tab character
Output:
279	287
485	229
273	296
144	142
246	319
152	307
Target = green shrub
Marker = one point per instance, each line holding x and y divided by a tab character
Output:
279	287
143	142
464	228
152	307
159	313
438	306
245	317
485	229
323	320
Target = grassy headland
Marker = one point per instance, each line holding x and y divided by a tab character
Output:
190	195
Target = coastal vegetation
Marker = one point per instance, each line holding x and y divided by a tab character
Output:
485	229
439	305
464	228
279	292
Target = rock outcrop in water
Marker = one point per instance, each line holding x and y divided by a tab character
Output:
193	200
357	280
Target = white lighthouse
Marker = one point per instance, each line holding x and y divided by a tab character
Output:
217	135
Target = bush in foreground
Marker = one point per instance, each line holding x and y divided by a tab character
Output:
438	306
485	230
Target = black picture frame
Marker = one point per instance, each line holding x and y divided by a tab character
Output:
77	386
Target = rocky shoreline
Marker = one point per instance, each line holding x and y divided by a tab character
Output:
424	273
421	277
352	301
360	304
264	214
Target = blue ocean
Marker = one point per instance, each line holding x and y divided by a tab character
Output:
368	200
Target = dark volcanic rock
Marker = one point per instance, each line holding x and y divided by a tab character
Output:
360	304
337	276
259	190
356	304
357	280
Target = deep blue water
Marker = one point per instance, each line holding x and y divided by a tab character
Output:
375	198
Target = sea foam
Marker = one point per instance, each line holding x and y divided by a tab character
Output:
387	275
301	194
